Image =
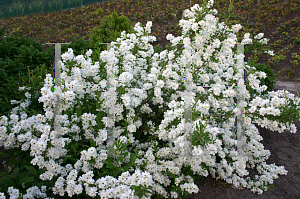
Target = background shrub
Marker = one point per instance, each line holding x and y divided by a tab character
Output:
18	55
109	30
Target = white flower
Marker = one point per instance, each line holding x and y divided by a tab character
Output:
126	99
216	43
78	189
131	128
138	29
247	35
135	102
163	54
236	27
270	52
247	39
170	37
89	53
276	112
108	121
176	40
92	152
125	77
259	36
160	83
187	42
147	86
262	111
212	149
148	27
152	77
204	77
195	27
203	108
210	3
173	104
196	7
197	151
252	109
210	18
264	41
157	91
68	55
91	191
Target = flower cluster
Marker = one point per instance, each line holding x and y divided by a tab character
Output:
142	84
32	192
107	187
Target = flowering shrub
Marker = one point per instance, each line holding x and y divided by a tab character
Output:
158	151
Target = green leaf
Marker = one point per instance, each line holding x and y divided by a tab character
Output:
224	15
132	158
15	172
78	113
109	165
31	169
27	179
148	191
3	174
127	166
125	154
271	186
6	169
121	159
73	159
234	21
119	171
206	134
8	181
3	154
104	171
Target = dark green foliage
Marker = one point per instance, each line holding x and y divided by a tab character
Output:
268	81
18	55
1	32
21	173
158	49
109	30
